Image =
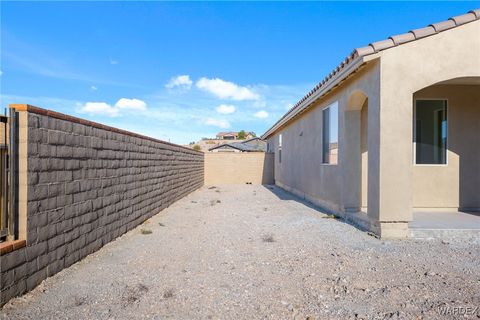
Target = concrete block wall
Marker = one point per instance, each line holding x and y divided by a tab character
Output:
239	168
87	185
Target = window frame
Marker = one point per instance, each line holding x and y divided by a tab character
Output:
414	131
280	143
338	134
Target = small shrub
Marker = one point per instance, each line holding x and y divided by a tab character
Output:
145	231
132	294
196	147
161	224
214	202
142	288
78	301
268	238
168	293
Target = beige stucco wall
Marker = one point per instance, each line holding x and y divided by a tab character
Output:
301	170
238	168
2	133
389	82
456	184
405	70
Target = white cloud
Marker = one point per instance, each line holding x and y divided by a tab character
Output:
99	108
93	88
226	90
182	82
221	123
226	109
260	104
261	114
1	72
182	120
113	61
105	109
131	104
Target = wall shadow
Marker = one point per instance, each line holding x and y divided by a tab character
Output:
288	196
268	172
285	195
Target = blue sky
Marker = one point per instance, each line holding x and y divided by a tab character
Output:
181	71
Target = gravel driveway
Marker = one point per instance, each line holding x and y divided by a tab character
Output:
257	252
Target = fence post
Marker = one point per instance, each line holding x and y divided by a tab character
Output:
13	176
3	177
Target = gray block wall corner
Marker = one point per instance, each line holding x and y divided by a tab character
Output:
87	184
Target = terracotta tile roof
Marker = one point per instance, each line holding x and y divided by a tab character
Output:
372	48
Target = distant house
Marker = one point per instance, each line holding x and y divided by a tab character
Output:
250	145
227	135
233	135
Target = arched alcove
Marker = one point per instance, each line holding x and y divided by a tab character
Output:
356	169
446	145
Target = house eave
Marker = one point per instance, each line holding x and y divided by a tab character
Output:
333	82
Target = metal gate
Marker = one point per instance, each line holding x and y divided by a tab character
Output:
9	176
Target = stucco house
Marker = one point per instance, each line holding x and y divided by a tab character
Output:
227	135
233	135
393	130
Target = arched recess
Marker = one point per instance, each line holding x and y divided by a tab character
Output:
356	129
356	100
453	181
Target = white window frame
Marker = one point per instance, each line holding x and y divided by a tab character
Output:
280	142
414	123
338	142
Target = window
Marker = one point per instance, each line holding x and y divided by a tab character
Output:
330	134
430	132
280	148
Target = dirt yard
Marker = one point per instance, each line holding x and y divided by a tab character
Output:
255	252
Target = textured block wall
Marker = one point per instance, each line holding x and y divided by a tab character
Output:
239	168
88	185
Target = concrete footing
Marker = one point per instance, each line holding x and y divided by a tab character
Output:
445	225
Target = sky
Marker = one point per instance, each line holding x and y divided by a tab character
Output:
180	71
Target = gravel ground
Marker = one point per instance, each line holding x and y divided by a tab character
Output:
252	252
